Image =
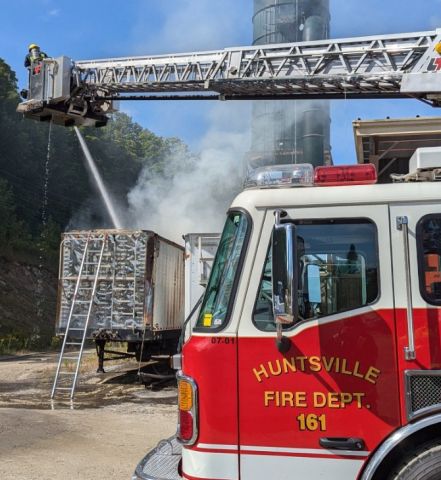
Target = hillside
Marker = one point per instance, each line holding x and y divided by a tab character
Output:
45	189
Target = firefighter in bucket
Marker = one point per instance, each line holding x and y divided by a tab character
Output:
33	58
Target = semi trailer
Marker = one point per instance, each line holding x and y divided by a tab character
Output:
128	286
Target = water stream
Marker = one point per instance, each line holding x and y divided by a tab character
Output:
99	181
42	243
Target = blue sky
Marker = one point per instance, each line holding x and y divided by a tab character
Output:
107	28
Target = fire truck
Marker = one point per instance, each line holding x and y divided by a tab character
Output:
316	350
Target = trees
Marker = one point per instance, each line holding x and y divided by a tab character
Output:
121	150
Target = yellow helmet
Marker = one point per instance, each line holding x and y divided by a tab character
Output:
33	45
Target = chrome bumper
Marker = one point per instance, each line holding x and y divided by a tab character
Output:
161	463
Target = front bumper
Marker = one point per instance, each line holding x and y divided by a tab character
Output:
161	463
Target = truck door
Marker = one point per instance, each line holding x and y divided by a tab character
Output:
416	241
318	410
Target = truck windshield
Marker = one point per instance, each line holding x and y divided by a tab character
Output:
219	295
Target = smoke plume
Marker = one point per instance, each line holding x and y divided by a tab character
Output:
195	191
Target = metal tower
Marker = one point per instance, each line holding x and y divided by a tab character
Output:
290	131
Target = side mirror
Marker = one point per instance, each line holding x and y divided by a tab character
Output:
285	279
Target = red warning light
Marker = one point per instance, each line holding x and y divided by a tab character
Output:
345	175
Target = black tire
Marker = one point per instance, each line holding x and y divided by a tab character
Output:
424	464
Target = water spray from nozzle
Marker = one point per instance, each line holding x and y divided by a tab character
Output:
99	181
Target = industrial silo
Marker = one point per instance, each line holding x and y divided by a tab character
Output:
287	131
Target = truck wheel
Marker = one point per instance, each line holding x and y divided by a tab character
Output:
424	464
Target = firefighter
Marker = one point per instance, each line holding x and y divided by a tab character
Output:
34	55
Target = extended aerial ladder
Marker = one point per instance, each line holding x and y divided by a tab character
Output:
386	66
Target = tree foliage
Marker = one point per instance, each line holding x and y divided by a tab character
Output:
121	151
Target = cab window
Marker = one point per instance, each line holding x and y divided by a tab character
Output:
429	258
337	270
220	292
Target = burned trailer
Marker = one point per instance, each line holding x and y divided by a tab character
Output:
121	286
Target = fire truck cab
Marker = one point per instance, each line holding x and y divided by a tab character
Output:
316	351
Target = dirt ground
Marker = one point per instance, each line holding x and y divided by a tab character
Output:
112	423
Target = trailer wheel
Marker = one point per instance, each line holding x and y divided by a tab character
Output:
424	464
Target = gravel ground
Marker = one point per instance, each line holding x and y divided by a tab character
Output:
102	435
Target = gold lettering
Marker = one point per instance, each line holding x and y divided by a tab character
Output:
301	399
372	375
328	363
333	401
346	399
302	363
259	373
343	367
287	399
289	365
268	396
319	399
356	372
274	372
314	364
358	397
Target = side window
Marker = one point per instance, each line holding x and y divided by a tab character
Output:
338	270
429	258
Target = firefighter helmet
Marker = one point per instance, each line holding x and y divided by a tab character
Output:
33	45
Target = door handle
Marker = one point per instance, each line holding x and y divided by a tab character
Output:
342	443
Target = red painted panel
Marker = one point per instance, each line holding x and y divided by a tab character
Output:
212	363
427	329
345	374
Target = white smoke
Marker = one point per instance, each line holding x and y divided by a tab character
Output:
195	193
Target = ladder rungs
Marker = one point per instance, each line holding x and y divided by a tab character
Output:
66	373
73	343
63	388
77	329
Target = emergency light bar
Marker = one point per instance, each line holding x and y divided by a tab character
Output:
345	175
304	175
299	175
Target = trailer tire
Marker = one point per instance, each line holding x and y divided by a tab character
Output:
424	464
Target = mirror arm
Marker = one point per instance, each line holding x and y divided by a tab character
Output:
283	343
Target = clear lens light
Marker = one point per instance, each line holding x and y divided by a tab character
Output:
301	175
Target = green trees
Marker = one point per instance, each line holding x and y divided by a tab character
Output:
121	150
38	203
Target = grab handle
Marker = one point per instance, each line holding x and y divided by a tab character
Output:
409	351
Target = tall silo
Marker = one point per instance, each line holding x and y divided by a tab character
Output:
286	131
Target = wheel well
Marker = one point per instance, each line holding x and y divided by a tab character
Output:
406	447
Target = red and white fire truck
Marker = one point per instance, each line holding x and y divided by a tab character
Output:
316	352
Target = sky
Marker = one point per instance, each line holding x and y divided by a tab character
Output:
88	29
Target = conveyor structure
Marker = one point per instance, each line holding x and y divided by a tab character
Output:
386	66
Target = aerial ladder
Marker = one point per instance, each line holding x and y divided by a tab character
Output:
386	66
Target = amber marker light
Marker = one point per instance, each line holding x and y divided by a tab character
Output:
185	396
188	410
438	48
